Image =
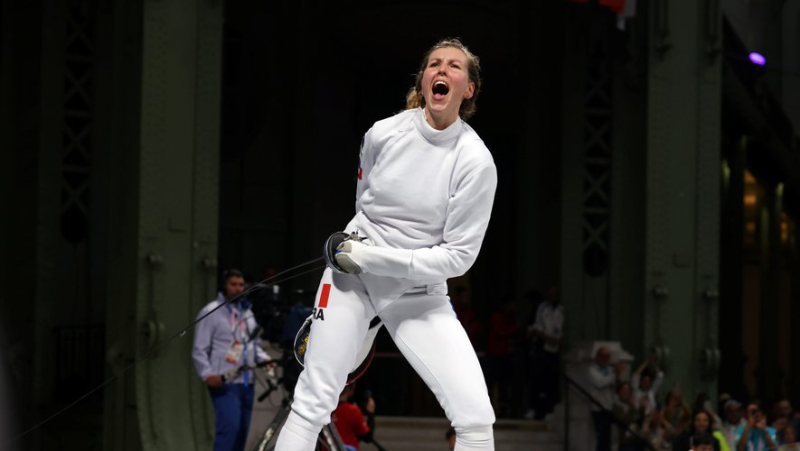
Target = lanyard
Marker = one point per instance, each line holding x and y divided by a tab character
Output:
241	324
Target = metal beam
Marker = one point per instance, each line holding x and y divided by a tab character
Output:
163	226
683	175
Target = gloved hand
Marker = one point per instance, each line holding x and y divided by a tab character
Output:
350	256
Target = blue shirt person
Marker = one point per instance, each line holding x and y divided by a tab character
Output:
755	435
224	341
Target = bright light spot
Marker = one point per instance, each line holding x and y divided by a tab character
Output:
757	58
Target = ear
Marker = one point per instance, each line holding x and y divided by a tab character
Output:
470	90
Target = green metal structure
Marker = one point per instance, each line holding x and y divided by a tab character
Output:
114	181
640	256
110	174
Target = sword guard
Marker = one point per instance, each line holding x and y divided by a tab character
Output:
333	241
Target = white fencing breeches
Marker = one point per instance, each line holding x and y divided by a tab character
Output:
427	332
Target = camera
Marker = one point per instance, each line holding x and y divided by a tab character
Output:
269	310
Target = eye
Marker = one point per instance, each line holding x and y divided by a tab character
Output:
433	64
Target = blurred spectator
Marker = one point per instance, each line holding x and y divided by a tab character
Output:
603	379
462	305
755	435
350	422
656	429
502	327
545	337
645	386
450	437
722	399
789	440
627	415
734	418
703	402
534	299
784	416
701	424
677	412
703	442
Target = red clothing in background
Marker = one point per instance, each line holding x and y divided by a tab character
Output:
466	315
350	423
501	332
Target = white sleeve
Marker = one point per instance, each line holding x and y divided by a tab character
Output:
539	323
201	346
261	354
600	381
560	322
659	379
468	215
635	381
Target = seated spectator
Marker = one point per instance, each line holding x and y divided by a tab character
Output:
755	435
603	379
350	422
645	386
701	424
784	416
732	411
703	442
656	429
703	402
788	440
627	415
677	412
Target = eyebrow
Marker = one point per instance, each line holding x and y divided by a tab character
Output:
451	60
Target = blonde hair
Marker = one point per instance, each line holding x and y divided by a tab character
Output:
415	99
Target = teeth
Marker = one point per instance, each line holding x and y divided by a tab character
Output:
440	83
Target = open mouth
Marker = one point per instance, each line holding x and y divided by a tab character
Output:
440	88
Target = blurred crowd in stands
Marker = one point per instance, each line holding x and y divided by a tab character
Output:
632	411
644	421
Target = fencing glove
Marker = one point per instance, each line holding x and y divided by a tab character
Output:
356	257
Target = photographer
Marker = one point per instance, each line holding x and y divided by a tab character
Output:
755	435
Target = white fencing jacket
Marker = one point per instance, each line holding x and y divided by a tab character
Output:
424	198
